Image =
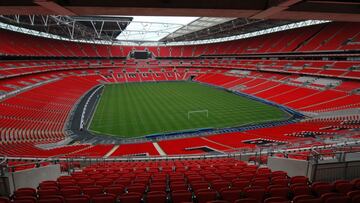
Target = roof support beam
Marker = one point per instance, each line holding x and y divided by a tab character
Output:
54	7
274	9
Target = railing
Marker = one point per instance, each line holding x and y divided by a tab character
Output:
241	153
9	94
340	164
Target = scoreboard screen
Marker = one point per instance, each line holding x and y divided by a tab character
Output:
141	55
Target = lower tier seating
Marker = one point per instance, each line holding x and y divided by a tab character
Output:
302	97
40	114
222	180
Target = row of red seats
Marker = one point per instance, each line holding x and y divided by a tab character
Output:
222	142
342	69
328	37
202	181
302	98
29	149
40	114
31	103
333	68
334	36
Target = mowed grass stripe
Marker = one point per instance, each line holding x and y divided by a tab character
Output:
138	109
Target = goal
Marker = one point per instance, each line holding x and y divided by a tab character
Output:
205	111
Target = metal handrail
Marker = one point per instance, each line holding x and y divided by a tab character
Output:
239	153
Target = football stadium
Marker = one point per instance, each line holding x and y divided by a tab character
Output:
176	101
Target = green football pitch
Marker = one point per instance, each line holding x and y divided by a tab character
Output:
138	109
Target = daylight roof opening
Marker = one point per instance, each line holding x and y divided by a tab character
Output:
156	28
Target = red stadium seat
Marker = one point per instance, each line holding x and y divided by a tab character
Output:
326	196
181	196
258	194
47	192
342	199
352	194
314	200
355	199
299	179
247	200
217	185
70	191
21	192
321	188
276	200
116	190
52	199
4	200
344	187
198	186
300	190
300	198
203	197
104	182
178	186
25	199
230	195
157	187
78	199
48	183
131	197
279	191
240	184
92	191
136	188
280	181
156	197
104	198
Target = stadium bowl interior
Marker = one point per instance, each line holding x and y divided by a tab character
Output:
171	101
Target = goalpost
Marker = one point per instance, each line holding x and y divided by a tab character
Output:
198	111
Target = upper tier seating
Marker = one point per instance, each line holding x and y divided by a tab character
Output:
324	37
334	36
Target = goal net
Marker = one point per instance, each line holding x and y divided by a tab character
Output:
205	111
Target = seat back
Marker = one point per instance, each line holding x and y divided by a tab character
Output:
276	200
116	190
104	198
71	191
91	191
231	195
338	199
78	199
131	197
25	199
204	197
181	196
344	187
156	198
257	194
279	192
247	200
51	199
4	200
